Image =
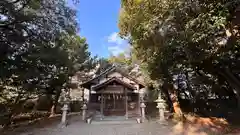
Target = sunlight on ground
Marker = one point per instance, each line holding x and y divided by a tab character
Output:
181	128
200	126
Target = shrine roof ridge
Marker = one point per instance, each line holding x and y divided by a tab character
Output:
112	68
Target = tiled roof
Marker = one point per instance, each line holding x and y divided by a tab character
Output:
112	80
87	84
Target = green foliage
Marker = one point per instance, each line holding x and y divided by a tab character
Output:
197	38
121	59
178	34
40	49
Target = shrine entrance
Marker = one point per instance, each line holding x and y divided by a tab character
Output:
114	104
114	99
118	103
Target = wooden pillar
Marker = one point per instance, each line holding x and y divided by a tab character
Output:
126	103
104	101
114	101
101	106
89	96
139	102
82	94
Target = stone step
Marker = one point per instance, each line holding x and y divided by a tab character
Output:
115	122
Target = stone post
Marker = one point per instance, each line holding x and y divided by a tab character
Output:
143	106
161	109
64	114
84	111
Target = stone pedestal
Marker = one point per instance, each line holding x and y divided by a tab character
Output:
143	106
84	111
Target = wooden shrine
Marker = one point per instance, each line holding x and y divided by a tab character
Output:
114	92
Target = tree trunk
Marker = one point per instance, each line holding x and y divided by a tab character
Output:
174	99
176	106
55	103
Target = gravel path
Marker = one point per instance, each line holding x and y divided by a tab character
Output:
78	127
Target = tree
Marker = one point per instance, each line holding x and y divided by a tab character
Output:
121	59
39	49
75	58
175	37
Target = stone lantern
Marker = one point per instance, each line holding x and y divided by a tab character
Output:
161	108
65	99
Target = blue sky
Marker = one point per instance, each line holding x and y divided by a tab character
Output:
98	21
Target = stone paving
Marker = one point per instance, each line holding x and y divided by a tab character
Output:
78	127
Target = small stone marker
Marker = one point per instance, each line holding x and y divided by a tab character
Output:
138	120
89	120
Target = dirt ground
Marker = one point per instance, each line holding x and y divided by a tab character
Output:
78	127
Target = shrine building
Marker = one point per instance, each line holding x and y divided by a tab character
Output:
115	93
